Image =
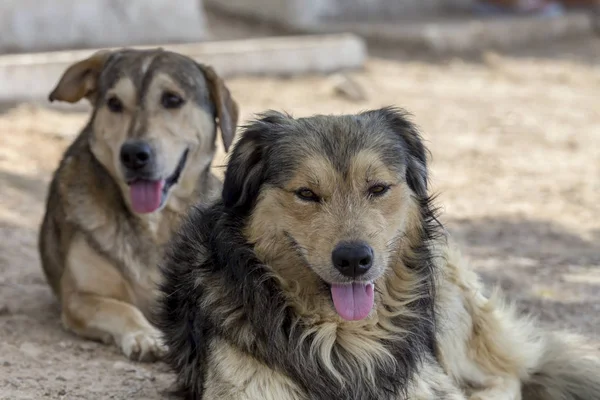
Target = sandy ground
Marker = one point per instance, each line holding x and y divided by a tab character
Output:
516	160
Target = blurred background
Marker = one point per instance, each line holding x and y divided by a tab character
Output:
506	92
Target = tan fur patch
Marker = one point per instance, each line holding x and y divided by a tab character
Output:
345	213
234	375
98	303
490	350
111	129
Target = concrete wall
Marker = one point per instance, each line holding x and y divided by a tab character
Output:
304	13
41	25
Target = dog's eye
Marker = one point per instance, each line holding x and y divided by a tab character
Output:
378	190
171	100
114	104
307	195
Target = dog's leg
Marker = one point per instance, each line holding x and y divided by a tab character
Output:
102	318
501	355
97	303
482	344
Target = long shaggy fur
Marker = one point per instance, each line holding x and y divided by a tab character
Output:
251	312
568	370
239	327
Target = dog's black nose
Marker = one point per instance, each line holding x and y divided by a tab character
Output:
136	155
352	259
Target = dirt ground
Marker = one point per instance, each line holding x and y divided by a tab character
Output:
516	159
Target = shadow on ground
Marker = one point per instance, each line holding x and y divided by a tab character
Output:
544	241
32	186
549	271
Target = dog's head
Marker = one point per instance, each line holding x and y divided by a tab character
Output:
154	117
329	200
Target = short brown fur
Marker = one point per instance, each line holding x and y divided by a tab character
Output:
99	255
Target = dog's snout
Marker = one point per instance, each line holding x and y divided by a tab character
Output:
136	155
352	259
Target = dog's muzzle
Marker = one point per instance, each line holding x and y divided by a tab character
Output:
353	300
147	193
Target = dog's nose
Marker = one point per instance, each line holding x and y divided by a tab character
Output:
136	155
352	259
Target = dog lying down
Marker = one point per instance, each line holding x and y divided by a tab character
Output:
122	186
323	273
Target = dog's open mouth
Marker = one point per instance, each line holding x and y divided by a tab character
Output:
353	301
149	195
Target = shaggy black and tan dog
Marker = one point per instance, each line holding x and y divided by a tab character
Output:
324	274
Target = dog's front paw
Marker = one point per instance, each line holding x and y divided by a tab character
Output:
143	345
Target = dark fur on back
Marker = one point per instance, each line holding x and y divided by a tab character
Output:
215	285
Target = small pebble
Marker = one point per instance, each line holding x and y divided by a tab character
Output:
350	89
30	349
123	366
87	346
12	382
143	375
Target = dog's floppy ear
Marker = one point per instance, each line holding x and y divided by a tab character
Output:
246	170
80	79
416	153
227	108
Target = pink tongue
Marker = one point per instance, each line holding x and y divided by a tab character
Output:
353	302
146	196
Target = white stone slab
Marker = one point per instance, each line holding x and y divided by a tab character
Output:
32	76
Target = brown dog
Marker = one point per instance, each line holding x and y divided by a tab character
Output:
143	158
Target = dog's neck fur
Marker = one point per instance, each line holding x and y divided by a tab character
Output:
195	181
